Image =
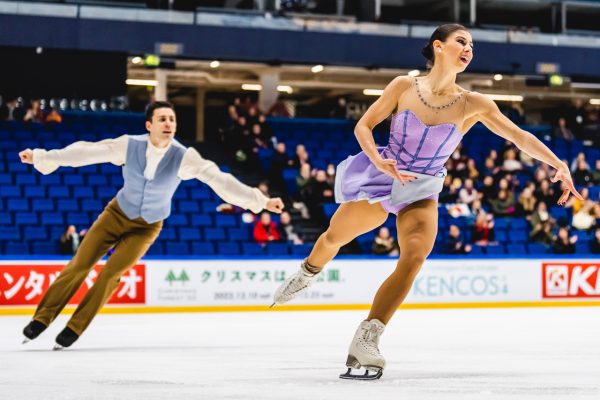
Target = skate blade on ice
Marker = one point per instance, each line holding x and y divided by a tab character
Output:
57	347
371	372
26	340
369	375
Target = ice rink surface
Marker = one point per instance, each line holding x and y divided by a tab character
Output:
531	353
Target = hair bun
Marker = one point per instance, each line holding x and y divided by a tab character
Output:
427	52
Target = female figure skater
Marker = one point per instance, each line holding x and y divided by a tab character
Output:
430	116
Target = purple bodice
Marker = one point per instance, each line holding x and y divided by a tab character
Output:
418	147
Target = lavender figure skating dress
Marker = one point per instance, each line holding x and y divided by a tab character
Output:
420	150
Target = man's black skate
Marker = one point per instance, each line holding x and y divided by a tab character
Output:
33	330
65	338
371	373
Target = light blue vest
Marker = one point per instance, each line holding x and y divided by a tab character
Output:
140	197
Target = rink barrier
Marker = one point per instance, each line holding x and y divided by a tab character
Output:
348	283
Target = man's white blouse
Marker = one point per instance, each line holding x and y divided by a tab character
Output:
193	165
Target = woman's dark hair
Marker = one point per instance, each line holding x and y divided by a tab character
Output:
441	33
155	105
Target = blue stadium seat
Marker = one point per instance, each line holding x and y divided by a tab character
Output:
17	167
239	234
9	233
42	205
35	192
190	234
210	206
225	220
515	249
329	209
157	249
168	234
278	248
559	212
5	218
216	234
83	192
252	249
26	218
203	248
302	249
106	192
52	218
177	220
201	193
92	205
495	250
35	233
59	192
518	223
25	179
44	248
228	248
202	220
97	180
518	236
17	204
5	179
73	180
582	246
67	205
177	248
501	236
50	180
10	191
17	248
187	206
79	219
537	248
502	223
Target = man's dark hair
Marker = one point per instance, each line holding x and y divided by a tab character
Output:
156	105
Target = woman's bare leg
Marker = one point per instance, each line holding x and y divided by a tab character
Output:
417	229
349	221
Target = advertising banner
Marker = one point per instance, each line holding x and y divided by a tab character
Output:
25	284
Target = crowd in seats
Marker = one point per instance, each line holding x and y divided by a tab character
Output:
496	200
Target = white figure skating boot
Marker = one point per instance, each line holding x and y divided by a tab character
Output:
295	284
364	351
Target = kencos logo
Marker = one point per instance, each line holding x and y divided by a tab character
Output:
570	280
462	286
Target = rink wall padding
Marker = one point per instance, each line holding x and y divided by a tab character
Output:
222	285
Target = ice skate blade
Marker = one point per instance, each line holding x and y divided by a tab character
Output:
25	341
367	376
272	305
57	347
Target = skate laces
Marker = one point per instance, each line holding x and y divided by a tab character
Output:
370	339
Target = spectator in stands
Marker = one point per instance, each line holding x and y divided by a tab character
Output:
477	207
302	156
339	110
542	233
468	193
472	169
266	130
384	244
279	109
260	141
545	192
304	176
34	113
287	231
317	192
516	113
539	216
595	242
266	230
482	231
330	171
279	162
504	204
488	190
490	168
578	160
581	174
563	243
454	244
69	241
252	116
586	216
53	117
577	118
510	163
562	131
449	193
596	173
12	110
527	200
578	204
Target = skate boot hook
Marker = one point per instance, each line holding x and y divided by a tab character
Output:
364	352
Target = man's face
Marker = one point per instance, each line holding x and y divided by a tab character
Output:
163	124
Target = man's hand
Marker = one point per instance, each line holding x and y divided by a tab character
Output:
275	205
26	156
